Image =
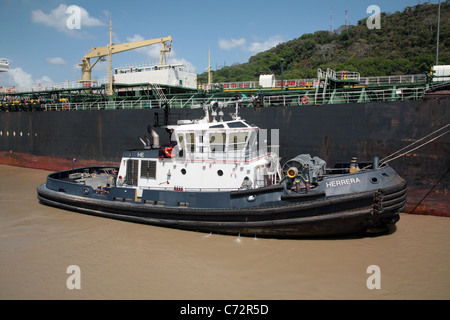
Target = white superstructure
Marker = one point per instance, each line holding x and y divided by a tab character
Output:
171	75
441	73
206	155
4	65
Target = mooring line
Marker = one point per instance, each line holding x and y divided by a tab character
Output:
384	160
429	191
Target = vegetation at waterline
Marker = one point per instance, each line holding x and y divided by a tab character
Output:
405	44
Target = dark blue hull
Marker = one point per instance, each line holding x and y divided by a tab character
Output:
271	212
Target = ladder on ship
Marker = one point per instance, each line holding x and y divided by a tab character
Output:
160	94
321	88
163	103
333	80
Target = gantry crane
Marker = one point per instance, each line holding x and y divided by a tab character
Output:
110	49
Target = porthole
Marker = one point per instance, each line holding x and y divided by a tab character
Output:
374	180
183	171
220	173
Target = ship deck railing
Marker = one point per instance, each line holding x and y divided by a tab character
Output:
308	97
346	76
68	85
238	85
344	96
130	104
313	82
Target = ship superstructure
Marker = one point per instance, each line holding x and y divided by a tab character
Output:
175	75
208	154
4	65
149	86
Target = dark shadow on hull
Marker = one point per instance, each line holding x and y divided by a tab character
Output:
367	233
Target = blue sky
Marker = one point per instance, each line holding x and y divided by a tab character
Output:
42	49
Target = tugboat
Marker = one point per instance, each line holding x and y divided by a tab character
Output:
223	177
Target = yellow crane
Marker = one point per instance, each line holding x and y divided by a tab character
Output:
101	52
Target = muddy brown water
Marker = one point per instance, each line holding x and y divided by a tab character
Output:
123	260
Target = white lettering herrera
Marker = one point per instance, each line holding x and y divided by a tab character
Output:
342	182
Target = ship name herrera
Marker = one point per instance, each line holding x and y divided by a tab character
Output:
342	182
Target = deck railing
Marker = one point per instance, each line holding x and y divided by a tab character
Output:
337	97
293	83
308	98
129	104
313	82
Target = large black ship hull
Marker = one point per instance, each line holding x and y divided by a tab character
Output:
60	140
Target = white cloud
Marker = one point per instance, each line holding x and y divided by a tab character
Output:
153	52
19	78
76	67
44	79
228	44
256	47
58	19
57	61
189	66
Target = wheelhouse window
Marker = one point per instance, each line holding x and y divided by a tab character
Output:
131	177
181	141
238	140
237	124
217	142
148	169
190	141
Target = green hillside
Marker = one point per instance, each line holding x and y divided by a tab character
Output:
405	44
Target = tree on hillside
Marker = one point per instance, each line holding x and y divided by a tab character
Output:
405	44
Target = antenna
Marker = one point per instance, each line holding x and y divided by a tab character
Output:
110	76
209	68
346	19
437	41
331	19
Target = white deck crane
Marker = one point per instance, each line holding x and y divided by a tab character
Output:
101	52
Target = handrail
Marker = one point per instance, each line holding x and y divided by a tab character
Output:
330	97
337	97
313	82
237	85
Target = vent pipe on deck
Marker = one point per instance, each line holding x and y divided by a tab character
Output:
154	135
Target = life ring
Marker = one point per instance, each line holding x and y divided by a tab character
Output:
66	106
305	100
168	152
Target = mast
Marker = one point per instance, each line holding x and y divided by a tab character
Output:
209	68
110	80
437	41
331	19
